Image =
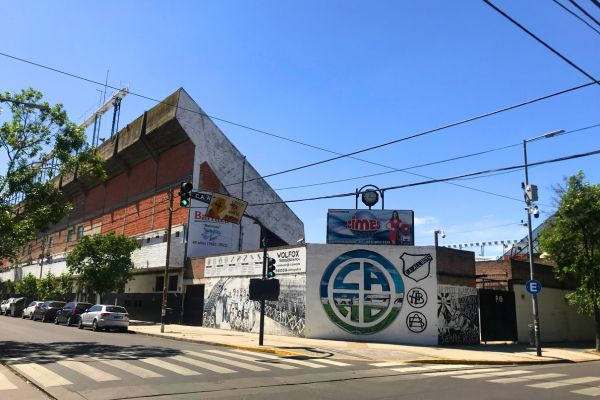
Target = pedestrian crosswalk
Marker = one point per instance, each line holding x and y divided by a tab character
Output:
202	364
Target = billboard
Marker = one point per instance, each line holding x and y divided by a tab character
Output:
287	261
385	227
209	235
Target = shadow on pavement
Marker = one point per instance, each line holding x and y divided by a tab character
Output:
28	352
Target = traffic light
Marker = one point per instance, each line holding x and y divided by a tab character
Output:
185	194
271	268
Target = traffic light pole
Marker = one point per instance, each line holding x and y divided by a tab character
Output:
163	313
261	332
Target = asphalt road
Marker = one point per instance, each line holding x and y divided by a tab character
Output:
68	363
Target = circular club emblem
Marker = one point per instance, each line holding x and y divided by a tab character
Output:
416	322
361	292
416	297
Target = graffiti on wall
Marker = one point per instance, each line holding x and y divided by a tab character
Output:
228	306
458	315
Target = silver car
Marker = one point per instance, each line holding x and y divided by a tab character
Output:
5	305
28	311
101	316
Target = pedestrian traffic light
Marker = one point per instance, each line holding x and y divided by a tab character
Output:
271	268
185	194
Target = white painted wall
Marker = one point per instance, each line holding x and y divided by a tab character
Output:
559	322
213	147
320	325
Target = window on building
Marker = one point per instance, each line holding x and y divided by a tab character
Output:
70	233
173	283
50	242
79	232
160	282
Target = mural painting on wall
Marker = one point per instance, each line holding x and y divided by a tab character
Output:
228	306
458	315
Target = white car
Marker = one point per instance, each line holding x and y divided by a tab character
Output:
28	311
5	305
102	316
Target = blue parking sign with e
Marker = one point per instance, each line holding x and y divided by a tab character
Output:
533	286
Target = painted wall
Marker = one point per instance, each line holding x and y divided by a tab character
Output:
559	322
458	315
372	293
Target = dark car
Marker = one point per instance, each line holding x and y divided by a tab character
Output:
48	310
70	313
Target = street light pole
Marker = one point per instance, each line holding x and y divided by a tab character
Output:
163	313
536	319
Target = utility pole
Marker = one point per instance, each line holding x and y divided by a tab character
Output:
163	313
536	318
261	332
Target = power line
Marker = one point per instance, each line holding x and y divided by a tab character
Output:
332	196
546	45
576	16
340	155
584	11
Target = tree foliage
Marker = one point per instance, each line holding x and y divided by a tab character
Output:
27	287
102	263
572	241
47	287
32	132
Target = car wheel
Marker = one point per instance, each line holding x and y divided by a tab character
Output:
31	316
123	330
44	318
80	326
55	320
95	326
69	322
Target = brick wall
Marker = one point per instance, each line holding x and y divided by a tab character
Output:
455	267
196	269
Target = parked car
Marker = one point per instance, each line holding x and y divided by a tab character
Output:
15	307
28	311
71	312
5	305
47	310
102	316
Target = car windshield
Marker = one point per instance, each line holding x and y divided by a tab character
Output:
56	304
116	309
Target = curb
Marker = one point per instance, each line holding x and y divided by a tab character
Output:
231	346
488	362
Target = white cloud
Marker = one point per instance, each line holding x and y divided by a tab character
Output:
425	220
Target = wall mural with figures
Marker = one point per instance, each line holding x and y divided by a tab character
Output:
458	315
227	306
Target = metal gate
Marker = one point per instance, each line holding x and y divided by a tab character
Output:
193	305
498	315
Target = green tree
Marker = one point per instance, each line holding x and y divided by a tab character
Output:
27	287
572	241
37	141
47	287
65	286
102	263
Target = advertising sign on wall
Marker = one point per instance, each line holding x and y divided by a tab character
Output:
372	293
287	261
209	235
388	227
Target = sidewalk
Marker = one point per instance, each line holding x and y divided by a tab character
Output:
15	388
295	346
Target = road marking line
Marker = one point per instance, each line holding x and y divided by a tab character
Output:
132	369
93	373
202	364
409	369
226	361
593	391
526	378
389	364
252	359
456	372
42	375
5	384
170	366
565	382
330	362
448	366
492	374
283	359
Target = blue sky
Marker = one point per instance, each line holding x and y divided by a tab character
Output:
342	75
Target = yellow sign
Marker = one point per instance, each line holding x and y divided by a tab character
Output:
226	208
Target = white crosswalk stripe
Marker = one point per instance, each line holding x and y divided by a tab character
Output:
132	369
157	362
42	375
226	361
304	363
410	369
592	391
203	364
492	374
330	362
89	371
565	382
5	384
251	358
389	364
526	378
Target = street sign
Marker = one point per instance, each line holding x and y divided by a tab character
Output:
226	208
204	197
533	286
